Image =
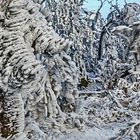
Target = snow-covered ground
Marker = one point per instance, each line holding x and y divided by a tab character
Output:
101	133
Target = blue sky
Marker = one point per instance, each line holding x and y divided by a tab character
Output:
94	4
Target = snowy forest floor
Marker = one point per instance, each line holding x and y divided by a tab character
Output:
106	119
106	114
101	133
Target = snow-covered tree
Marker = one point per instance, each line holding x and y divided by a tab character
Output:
54	51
